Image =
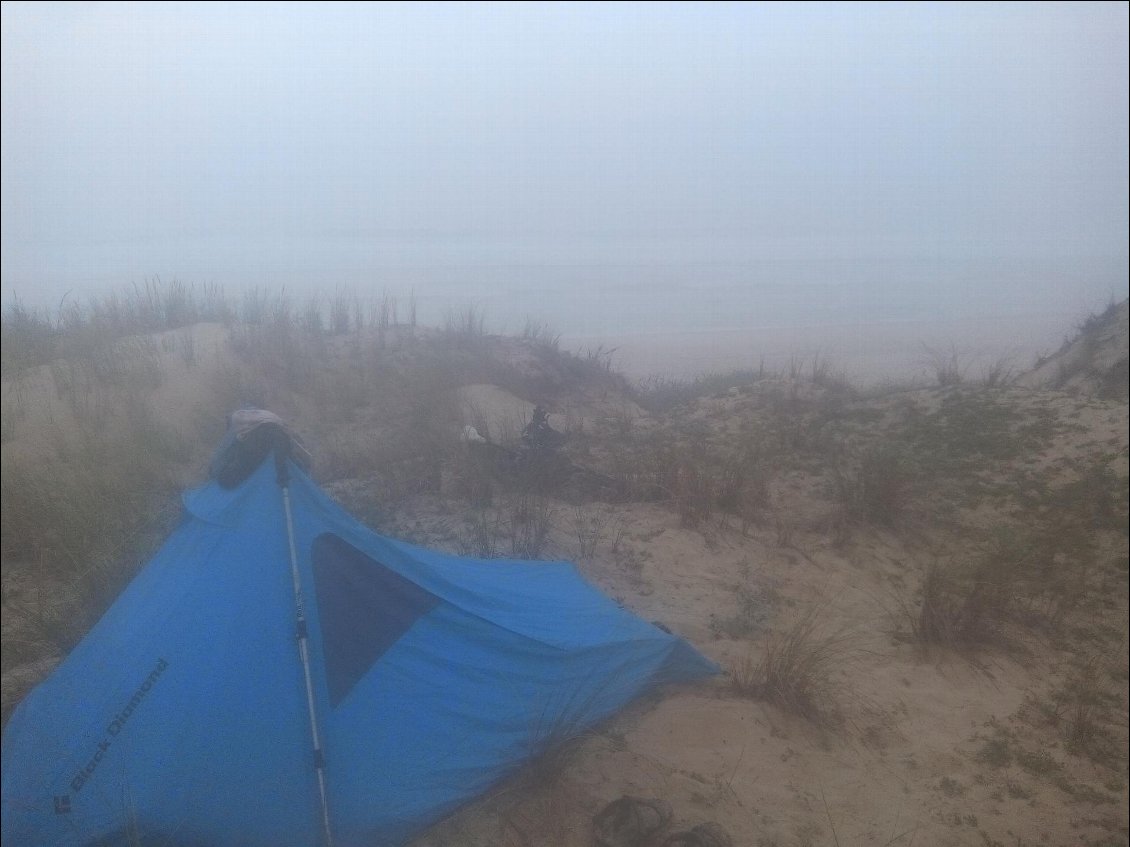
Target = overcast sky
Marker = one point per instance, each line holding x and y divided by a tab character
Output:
137	138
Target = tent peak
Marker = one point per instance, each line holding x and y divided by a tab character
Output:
252	435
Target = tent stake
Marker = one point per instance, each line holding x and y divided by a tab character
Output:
303	649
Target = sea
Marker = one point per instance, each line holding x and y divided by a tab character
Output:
670	305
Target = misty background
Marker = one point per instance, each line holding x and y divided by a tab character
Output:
699	186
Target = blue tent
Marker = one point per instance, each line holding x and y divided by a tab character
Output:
187	715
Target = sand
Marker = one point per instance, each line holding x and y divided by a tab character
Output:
904	750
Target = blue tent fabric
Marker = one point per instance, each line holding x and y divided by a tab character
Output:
181	719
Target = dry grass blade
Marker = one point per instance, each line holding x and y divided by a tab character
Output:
797	669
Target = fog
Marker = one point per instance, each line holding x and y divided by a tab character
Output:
700	185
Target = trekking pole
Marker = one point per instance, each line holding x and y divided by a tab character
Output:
283	477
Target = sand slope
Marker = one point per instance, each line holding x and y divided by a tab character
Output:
729	518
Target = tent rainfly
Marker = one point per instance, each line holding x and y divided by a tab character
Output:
279	675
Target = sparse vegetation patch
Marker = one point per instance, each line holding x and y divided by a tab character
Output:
718	507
